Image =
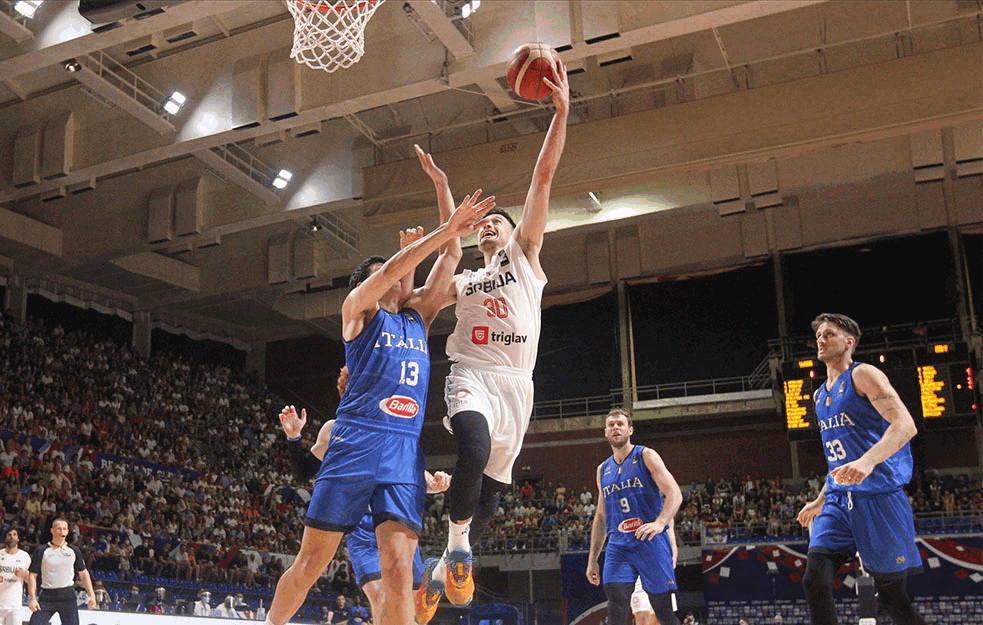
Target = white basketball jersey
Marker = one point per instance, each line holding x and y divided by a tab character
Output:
11	586
498	313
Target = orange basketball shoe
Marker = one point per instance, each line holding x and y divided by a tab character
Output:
427	596
459	587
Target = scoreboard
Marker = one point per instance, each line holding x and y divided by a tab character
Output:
935	382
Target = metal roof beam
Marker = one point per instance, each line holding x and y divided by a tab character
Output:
42	55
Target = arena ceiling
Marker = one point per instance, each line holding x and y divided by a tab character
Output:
713	120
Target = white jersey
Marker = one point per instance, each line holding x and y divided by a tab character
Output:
499	309
11	586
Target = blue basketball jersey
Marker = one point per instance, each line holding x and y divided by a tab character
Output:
849	426
389	372
631	497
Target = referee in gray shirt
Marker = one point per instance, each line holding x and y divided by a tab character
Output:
54	565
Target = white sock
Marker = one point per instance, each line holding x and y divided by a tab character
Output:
440	571
457	536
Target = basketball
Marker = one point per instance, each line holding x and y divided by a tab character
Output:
529	65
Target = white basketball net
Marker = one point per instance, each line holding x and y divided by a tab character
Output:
330	35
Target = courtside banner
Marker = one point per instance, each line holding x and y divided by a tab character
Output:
96	617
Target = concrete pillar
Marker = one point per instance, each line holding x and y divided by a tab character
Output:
15	299
256	361
142	333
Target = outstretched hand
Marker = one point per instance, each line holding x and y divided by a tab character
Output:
410	235
467	217
426	162
561	88
291	423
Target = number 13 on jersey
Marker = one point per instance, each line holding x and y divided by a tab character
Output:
409	373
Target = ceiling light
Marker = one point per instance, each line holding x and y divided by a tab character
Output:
71	65
27	7
315	225
175	102
282	178
468	8
595	204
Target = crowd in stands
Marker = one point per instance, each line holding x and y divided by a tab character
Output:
536	516
172	469
130	450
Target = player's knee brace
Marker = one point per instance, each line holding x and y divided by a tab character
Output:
893	599
818	583
662	606
491	491
619	601
818	578
473	448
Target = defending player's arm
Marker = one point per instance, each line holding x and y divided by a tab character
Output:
438	290
529	232
872	384
304	463
405	238
673	496
445	201
363	302
598	534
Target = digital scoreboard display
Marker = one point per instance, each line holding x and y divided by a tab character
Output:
935	382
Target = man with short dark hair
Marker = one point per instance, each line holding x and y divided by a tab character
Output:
489	390
53	568
375	460
341	613
862	508
14	564
632	516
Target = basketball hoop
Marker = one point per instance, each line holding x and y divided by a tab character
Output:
330	35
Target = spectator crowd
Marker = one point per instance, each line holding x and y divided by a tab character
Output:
172	469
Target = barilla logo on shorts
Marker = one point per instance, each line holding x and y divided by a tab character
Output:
479	335
399	406
629	525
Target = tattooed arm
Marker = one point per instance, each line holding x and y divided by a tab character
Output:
872	384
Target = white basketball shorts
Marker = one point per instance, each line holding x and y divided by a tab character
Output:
505	398
640	599
10	617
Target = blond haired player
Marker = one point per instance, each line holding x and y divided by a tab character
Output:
14	563
489	391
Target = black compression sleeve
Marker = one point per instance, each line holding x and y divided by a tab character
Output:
303	464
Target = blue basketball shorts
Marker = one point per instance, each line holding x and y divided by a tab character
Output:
651	560
352	480
363	551
878	526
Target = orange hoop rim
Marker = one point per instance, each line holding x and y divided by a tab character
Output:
340	6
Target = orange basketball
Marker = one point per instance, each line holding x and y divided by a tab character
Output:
529	65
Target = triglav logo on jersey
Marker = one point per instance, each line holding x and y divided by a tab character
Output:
629	525
400	406
479	335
